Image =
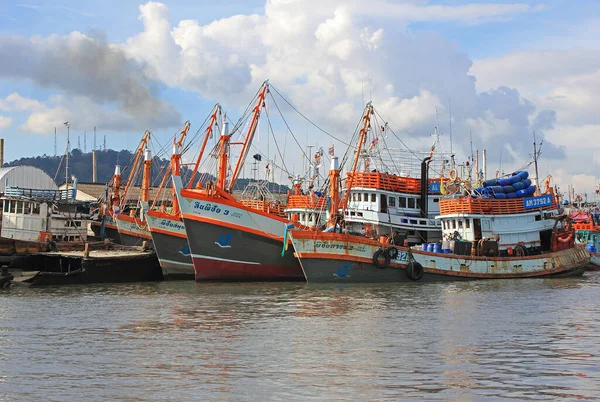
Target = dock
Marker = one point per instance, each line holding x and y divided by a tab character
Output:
116	264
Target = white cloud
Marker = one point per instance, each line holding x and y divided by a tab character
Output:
5	122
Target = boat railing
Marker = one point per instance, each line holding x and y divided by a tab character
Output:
487	206
389	182
312	202
269	207
40	195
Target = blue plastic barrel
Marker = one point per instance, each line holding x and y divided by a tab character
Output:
446	251
530	190
591	248
496	189
519	185
522	174
510	196
521	193
514	179
500	196
424	247
490	182
504	182
526	183
430	247
508	189
437	248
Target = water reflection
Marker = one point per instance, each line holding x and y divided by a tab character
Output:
523	339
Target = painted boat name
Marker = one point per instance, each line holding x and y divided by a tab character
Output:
349	247
208	207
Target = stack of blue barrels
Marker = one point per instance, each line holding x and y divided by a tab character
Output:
516	186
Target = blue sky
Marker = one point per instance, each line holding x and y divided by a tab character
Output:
411	55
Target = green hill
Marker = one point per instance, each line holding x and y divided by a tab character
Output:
80	166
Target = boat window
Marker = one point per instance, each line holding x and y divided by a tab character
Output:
436	200
373	197
538	217
453	223
26	208
444	225
402	202
418	203
353	196
411	202
359	197
359	214
422	223
36	208
366	197
413	221
468	223
13	206
460	225
6	205
392	201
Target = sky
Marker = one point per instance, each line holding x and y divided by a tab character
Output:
497	70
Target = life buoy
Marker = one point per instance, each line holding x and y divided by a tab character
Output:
414	271
453	174
392	252
379	254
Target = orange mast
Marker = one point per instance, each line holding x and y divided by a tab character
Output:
174	163
223	154
249	136
362	139
134	166
207	135
334	191
115	199
146	175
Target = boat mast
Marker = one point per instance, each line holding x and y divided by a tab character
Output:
66	123
249	135
146	175
362	139
223	153
135	166
175	158
535	164
207	135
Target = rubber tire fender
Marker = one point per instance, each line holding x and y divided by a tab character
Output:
378	254
392	252
414	271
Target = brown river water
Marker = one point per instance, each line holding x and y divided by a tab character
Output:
531	339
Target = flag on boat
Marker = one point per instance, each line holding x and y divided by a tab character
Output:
331	151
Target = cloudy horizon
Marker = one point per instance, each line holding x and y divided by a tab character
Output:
498	70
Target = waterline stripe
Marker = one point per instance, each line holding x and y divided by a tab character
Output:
177	262
224	259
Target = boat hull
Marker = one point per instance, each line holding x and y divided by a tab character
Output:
349	259
232	242
594	262
110	231
171	245
133	232
237	255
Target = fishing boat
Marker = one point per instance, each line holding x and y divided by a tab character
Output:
166	226
233	239
587	233
392	194
494	236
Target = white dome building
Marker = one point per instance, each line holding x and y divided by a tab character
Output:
26	177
